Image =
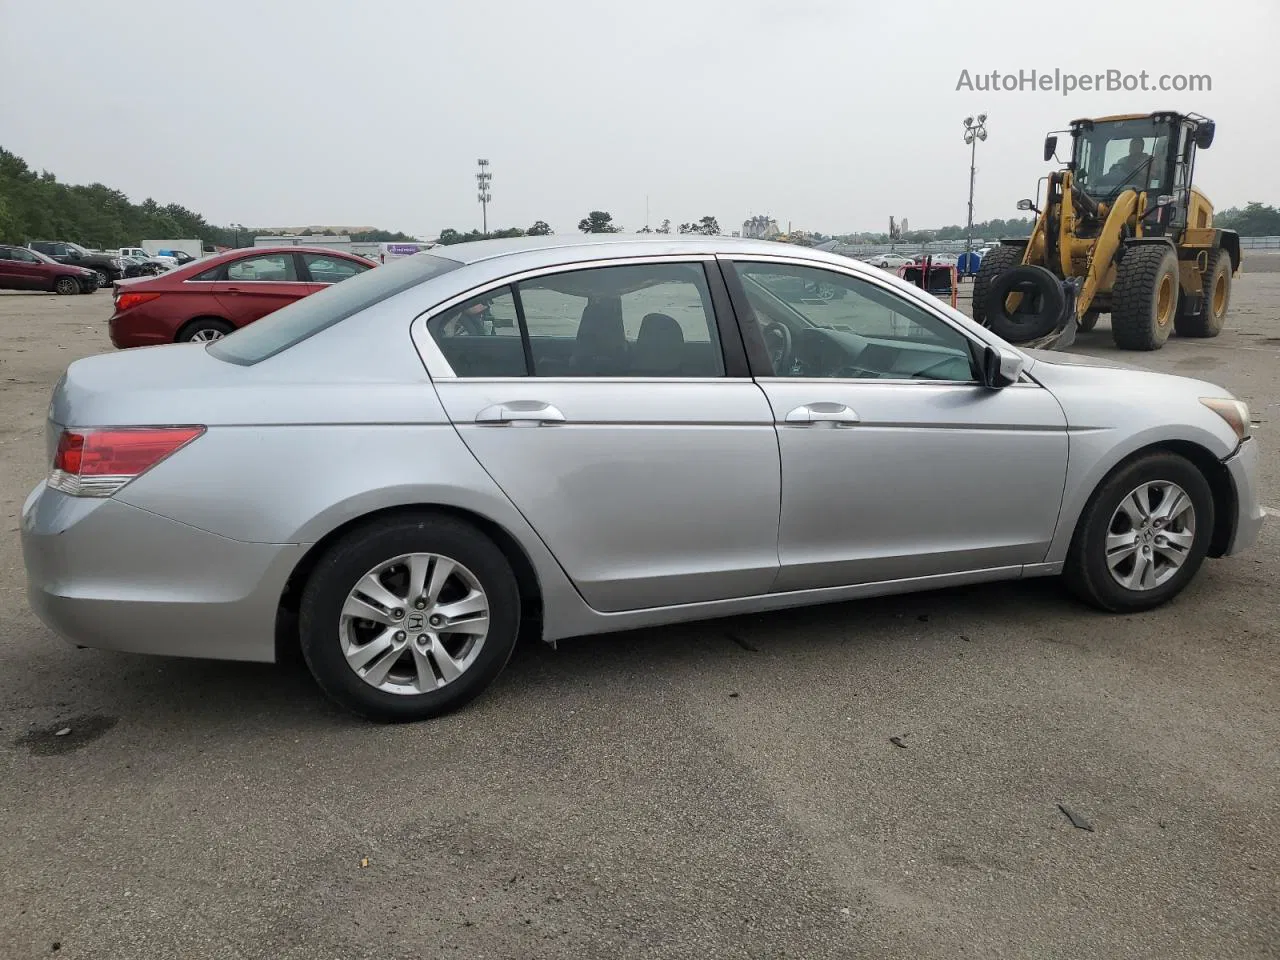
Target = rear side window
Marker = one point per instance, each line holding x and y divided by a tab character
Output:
290	325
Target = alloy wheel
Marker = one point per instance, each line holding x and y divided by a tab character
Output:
1150	535
414	624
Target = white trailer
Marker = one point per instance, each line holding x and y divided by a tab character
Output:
193	248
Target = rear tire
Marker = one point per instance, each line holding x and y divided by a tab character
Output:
1088	321
336	643
1145	297
1216	299
1097	561
996	262
66	286
203	329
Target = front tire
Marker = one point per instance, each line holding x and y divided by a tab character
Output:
1145	297
66	286
409	617
996	262
1142	536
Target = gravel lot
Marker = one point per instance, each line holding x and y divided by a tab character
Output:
724	789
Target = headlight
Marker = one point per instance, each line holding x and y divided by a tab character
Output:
1235	412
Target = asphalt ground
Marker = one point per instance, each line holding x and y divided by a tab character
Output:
876	779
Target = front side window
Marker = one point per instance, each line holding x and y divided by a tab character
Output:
325	269
810	322
277	267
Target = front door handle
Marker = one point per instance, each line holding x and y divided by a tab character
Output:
822	412
533	412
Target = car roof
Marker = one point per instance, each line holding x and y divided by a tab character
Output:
518	252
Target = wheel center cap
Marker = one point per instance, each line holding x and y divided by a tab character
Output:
414	621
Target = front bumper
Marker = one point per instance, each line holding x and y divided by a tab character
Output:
1250	515
104	574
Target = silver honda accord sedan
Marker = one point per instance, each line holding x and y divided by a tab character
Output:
564	436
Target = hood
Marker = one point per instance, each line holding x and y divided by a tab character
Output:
1075	360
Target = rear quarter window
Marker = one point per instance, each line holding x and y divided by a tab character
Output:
290	325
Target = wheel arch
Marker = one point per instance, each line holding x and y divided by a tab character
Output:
522	566
1229	240
1210	466
191	321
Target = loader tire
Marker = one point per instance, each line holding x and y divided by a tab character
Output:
1088	321
1145	297
996	262
1217	297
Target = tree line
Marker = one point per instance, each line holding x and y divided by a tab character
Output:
37	206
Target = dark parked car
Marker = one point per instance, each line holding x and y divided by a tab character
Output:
109	267
23	269
209	298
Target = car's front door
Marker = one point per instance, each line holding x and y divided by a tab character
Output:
252	287
29	271
896	462
323	270
626	430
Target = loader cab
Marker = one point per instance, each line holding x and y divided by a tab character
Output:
1152	153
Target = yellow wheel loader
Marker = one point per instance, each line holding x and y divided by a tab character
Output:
1122	231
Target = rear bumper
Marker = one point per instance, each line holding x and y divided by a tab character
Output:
101	573
1250	515
130	330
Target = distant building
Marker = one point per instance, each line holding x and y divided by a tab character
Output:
760	228
296	240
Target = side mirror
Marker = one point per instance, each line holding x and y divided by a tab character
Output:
1027	205
1050	147
1204	134
1000	367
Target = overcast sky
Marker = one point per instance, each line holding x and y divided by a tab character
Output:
828	114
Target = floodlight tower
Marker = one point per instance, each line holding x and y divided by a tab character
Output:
974	130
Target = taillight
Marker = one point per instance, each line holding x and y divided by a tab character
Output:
126	301
98	462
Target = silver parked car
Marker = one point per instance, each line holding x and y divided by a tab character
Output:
577	435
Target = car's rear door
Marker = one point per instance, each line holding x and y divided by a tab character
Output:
896	462
605	402
250	288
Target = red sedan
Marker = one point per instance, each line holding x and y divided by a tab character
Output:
209	298
23	269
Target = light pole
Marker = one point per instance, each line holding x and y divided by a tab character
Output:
484	196
237	227
973	132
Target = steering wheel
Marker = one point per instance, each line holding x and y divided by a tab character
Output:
781	349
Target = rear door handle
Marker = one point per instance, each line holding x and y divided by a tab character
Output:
822	412
235	290
532	412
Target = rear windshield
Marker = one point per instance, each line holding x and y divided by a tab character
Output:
304	318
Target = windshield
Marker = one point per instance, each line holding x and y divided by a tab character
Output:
1122	154
306	317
